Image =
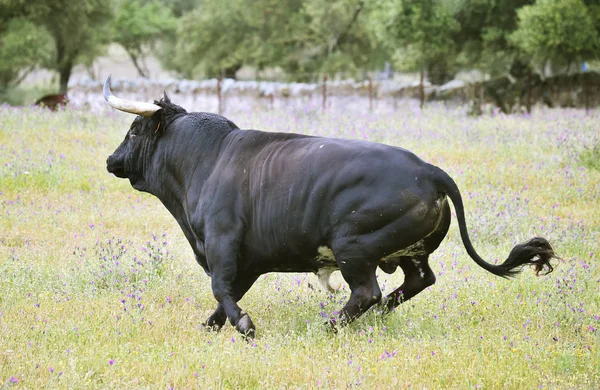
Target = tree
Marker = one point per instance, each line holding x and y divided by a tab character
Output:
483	38
166	48
138	24
559	31
78	29
418	33
220	36
483	44
331	37
180	7
213	38
303	38
23	46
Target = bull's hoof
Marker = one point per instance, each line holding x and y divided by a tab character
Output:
215	322
385	306
332	326
212	327
246	327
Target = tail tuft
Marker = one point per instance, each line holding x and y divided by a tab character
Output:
536	252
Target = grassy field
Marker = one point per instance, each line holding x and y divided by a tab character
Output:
99	288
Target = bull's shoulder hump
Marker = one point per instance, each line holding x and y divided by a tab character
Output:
206	120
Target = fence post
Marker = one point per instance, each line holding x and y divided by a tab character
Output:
529	91
324	90
585	90
370	94
421	88
219	94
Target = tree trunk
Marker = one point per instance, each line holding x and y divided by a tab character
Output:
343	36
421	88
482	95
230	72
134	60
64	72
19	78
64	62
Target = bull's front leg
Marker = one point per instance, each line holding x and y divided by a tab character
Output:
222	256
242	285
217	319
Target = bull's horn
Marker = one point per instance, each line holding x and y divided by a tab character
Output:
139	108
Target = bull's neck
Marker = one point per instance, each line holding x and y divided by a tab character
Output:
181	164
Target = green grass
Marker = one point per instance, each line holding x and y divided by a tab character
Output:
590	157
100	288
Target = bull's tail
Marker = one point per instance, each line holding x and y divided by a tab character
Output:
537	252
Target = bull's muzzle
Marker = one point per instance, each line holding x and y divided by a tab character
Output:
115	166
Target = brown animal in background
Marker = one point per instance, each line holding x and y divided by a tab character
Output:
53	101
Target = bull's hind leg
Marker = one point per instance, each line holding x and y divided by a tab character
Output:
417	277
360	276
417	274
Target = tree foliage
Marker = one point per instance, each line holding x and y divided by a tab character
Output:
180	7
78	29
560	31
417	33
138	24
211	38
302	38
483	39
23	46
335	39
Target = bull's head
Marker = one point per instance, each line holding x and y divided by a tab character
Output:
131	159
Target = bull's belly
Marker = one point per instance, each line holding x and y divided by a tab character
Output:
325	263
293	262
321	262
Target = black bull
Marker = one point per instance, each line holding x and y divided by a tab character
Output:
251	202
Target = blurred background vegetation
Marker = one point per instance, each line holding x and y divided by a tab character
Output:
509	47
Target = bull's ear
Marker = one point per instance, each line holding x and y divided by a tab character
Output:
158	121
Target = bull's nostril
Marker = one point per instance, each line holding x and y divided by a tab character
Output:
115	166
112	160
